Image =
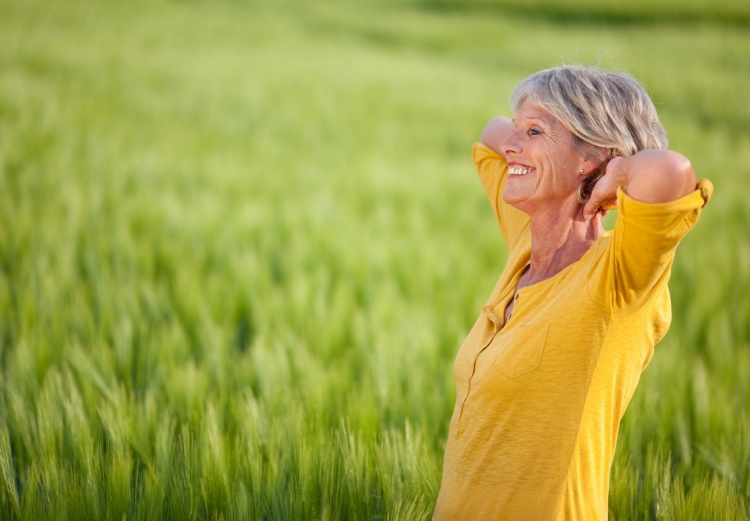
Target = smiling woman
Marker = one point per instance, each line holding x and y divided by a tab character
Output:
549	367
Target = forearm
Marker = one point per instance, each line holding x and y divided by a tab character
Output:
656	176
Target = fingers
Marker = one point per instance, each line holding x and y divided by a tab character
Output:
592	207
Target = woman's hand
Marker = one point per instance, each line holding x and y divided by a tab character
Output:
604	196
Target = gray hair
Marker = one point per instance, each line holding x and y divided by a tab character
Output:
608	110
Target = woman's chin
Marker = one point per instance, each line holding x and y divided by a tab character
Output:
514	197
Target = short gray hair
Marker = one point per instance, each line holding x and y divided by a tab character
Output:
609	110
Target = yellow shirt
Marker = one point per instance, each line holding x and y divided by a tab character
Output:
539	400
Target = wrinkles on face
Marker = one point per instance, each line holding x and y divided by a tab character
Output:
541	141
558	172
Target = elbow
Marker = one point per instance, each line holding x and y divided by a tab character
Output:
681	176
495	133
660	176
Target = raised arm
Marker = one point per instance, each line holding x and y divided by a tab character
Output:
493	174
651	176
495	133
659	202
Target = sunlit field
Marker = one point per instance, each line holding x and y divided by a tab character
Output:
241	243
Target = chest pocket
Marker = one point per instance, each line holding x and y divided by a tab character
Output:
522	350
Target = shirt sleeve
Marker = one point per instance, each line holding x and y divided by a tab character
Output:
638	258
493	173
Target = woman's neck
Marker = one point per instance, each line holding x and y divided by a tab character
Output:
558	239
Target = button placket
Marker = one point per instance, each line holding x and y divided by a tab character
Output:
496	322
515	300
490	313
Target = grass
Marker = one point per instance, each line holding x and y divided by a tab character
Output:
242	241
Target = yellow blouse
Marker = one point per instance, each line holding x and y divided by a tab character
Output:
539	400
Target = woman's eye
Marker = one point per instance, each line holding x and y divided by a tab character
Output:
534	131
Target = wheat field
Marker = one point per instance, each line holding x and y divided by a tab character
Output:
242	241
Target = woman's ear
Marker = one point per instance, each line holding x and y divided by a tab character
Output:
592	158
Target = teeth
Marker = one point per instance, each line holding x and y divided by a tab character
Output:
518	170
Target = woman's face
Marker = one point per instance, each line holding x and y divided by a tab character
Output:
543	163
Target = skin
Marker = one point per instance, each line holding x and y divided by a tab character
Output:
562	229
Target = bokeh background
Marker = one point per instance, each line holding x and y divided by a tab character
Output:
241	242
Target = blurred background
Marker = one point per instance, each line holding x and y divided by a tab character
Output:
242	240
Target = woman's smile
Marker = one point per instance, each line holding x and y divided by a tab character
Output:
519	169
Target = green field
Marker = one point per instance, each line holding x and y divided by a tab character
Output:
242	241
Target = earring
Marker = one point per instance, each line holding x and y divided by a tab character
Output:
581	170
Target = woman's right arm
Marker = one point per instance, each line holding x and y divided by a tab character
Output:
493	173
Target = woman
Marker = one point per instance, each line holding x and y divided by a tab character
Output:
549	367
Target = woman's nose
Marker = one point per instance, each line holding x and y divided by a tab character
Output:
510	145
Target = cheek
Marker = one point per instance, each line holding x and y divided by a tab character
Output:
552	167
560	174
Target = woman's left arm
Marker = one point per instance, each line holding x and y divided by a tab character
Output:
662	203
651	176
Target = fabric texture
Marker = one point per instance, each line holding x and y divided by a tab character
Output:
539	400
